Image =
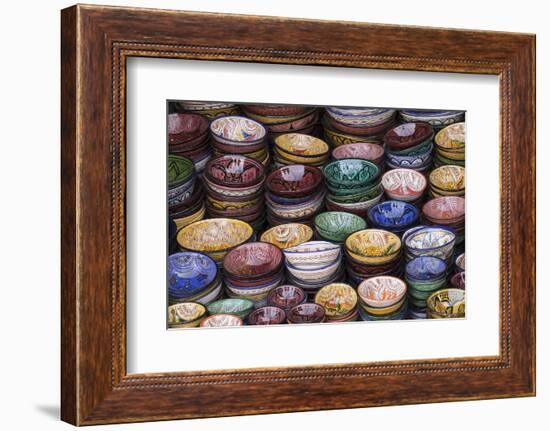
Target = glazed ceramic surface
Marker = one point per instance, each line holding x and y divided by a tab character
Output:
429	238
461	262
448	177
269	315
452	137
426	268
447	302
234	170
235	129
302	145
287	235
393	215
337	299
179	169
189	273
312	254
337	226
351	172
253	259
434	117
306	313
445	208
221	320
373	243
359	150
382	291
286	297
360	116
185	312
214	234
184	127
294	180
408	134
236	306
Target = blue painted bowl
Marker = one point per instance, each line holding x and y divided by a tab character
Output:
395	216
426	268
189	273
410	161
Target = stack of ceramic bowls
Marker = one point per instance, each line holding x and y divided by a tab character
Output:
297	148
234	187
185	315
221	321
239	135
405	185
458	279
446	304
306	313
350	125
188	137
252	270
185	193
336	226
236	306
353	186
339	301
361	150
395	216
434	241
448	180
192	277
210	110
409	146
437	119
424	275
295	194
214	237
286	297
447	211
450	145
281	119
287	235
382	298
267	315
372	252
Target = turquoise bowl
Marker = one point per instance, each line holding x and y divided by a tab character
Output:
349	174
236	306
338	225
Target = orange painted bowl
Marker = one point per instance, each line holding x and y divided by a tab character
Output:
359	150
382	291
288	235
445	210
404	184
338	299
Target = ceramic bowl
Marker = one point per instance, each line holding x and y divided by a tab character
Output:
350	173
436	118
373	246
396	216
254	287
200	106
338	299
211	293
360	116
284	159
336	138
424	239
235	171
312	274
384	311
426	268
294	180
413	161
306	313
298	125
408	135
185	127
214	237
269	120
445	210
237	306
452	137
359	208
359	150
382	291
357	130
179	170
253	260
296	144
181	193
404	184
446	303
221	320
448	178
460	262
337	226
185	314
312	254
236	130
276	110
233	192
287	235
458	280
189	273
269	315
362	195
286	297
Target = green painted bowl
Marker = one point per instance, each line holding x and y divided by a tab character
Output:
236	306
356	195
351	173
180	169
337	225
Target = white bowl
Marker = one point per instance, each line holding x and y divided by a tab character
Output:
312	254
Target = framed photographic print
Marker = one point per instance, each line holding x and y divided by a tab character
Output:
281	212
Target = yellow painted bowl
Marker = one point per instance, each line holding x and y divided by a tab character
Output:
451	137
338	299
446	303
452	155
278	119
232	205
299	160
287	235
214	237
303	146
184	221
336	138
382	311
373	246
185	314
448	178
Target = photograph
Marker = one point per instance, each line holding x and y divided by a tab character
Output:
301	214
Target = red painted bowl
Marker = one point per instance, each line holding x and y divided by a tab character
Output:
359	131
359	150
445	210
234	171
185	127
267	316
253	260
408	135
276	110
306	313
294	180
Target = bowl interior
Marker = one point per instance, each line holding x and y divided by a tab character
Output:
351	171
235	170
214	234
253	259
238	129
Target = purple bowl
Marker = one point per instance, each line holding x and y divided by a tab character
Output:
267	316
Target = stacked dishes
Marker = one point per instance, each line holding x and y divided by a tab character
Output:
360	150
382	298
437	119
239	135
286	297
287	235
252	270
409	146
214	237
424	275
234	188
395	216
192	277
210	110
372	252
447	211
350	125
339	301
297	148
336	226
188	137
429	241
354	186
185	315
185	194
295	194
306	313
446	303
448	180
236	306
404	185
450	145
281	119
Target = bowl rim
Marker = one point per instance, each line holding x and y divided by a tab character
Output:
341	161
234	142
393	201
400	244
322	154
434	227
214	220
308	230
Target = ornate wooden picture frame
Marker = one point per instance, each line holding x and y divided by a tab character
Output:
96	42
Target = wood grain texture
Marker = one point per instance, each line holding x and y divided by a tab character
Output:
96	41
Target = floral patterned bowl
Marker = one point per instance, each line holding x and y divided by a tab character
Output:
312	254
185	127
296	144
237	306
189	273
408	135
338	299
286	297
395	216
185	314
452	137
352	116
382	291
349	174
448	178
